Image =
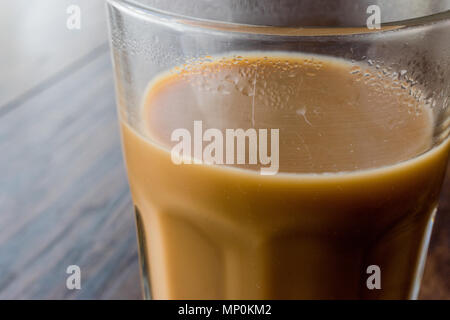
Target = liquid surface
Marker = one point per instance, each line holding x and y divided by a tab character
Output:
210	232
332	116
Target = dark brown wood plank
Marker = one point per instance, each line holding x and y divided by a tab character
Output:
64	195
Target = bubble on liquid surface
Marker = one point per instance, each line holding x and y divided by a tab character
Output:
301	111
355	70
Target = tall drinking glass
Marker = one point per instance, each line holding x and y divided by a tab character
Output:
283	149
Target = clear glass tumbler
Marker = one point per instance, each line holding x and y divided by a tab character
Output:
283	149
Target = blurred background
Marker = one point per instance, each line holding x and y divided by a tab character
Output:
64	196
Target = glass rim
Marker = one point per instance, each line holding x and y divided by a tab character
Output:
217	26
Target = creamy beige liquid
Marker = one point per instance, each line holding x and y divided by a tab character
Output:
356	186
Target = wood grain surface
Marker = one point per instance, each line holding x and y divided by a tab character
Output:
64	195
37	49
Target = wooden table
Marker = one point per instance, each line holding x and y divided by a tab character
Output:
64	197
